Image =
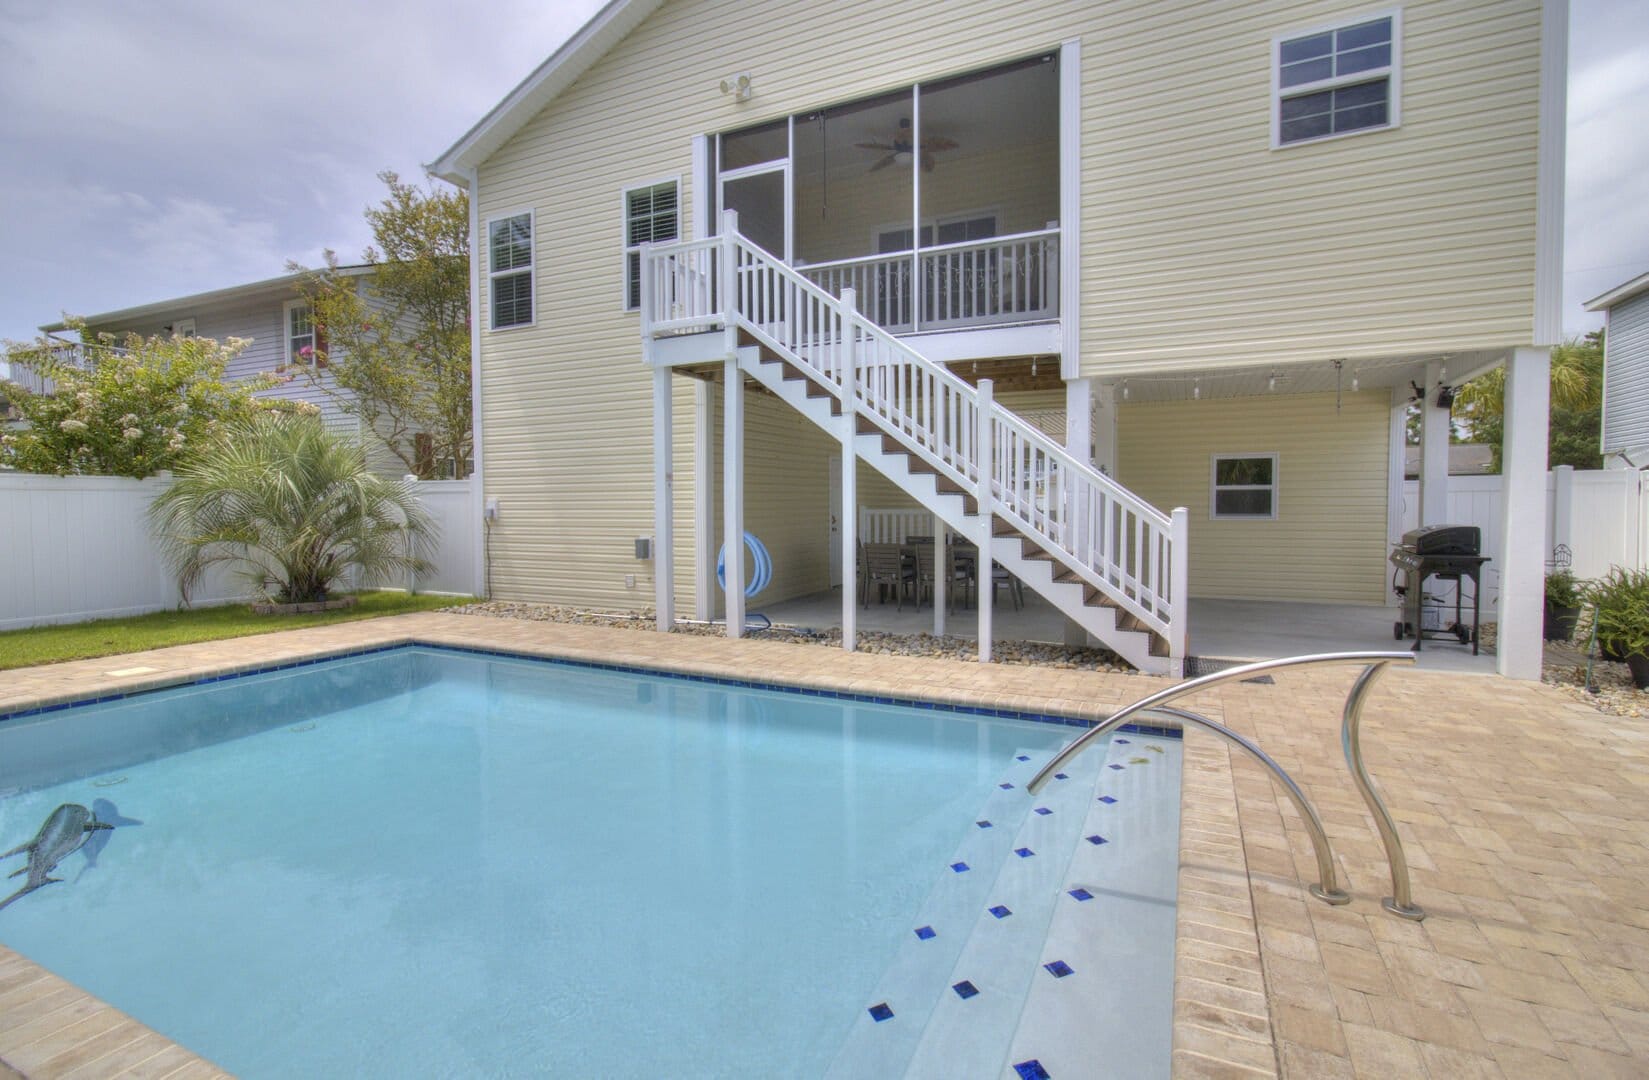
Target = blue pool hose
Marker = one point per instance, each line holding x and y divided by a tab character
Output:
764	566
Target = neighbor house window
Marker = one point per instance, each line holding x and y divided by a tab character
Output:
1336	80
510	270
652	214
305	342
1244	486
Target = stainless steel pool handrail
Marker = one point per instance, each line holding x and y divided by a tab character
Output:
1327	888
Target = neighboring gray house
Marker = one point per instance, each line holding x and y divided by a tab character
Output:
271	313
1625	373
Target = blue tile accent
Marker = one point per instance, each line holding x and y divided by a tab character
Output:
1005	786
1080	893
881	1012
1115	766
1107	800
959	867
1032	1070
1096	839
1023	852
1060	776
1043	810
1001	911
1022	757
595	665
965	989
1121	742
926	932
983	824
1058	969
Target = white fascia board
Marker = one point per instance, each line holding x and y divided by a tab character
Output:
577	54
1619	293
205	299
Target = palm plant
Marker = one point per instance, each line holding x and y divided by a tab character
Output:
292	508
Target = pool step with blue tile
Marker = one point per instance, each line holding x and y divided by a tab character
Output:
968	959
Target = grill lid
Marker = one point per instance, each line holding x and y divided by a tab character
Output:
1444	540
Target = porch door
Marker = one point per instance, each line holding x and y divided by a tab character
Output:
761	195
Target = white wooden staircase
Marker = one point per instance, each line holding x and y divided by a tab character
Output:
1103	556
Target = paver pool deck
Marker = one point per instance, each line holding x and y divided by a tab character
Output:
1525	816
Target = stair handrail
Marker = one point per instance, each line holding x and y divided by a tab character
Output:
1164	596
1400	902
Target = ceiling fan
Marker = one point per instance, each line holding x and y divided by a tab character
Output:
899	149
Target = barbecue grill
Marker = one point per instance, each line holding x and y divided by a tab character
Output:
1447	553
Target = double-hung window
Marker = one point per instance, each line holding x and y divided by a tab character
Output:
1336	81
510	270
1243	486
652	215
305	341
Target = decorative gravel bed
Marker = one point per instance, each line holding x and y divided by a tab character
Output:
870	641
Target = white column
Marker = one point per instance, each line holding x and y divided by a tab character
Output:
1079	441
984	462
1105	429
1523	498
1434	452
1396	468
941	580
704	502
849	527
1179	578
1563	508
664	530
732	498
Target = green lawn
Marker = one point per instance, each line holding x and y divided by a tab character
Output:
108	637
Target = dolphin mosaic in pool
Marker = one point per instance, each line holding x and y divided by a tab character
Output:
65	829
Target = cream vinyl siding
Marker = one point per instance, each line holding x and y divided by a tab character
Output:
1328	540
1200	243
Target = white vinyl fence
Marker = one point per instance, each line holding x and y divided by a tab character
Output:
1598	514
79	547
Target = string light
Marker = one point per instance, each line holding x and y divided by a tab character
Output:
1125	390
1196	389
1354	380
1271	384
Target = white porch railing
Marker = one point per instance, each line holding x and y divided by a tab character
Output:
1005	279
1112	539
25	373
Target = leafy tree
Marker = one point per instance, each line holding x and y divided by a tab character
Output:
292	507
1576	421
135	409
397	348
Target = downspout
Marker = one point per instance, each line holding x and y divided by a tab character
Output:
483	575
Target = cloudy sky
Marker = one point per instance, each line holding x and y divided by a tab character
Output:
157	149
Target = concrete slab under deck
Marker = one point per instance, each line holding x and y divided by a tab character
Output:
1220	629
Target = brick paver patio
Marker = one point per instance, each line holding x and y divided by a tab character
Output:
1524	816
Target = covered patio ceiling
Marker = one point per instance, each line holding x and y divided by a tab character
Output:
1313	377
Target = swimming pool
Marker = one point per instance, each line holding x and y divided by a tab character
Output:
426	862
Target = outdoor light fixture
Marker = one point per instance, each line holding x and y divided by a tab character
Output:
737	85
1445	397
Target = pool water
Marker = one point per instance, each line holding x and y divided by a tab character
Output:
421	862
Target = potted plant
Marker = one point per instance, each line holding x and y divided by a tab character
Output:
1562	605
1621	601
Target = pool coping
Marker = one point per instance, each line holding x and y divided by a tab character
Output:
1221	1019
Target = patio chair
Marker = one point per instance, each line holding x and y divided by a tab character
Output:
999	578
964	574
885	565
921	548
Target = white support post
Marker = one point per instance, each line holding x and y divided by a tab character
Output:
1179	584
1105	429
664	502
1523	497
941	579
729	289
1396	469
1434	452
1079	442
985	463
733	496
646	300
1563	508
704	502
849	527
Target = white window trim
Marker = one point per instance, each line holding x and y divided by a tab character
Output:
531	268
624	231
1214	487
287	308
1394	76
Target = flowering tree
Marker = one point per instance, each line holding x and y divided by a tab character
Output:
395	351
128	409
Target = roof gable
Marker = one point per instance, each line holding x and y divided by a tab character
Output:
1619	293
576	56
